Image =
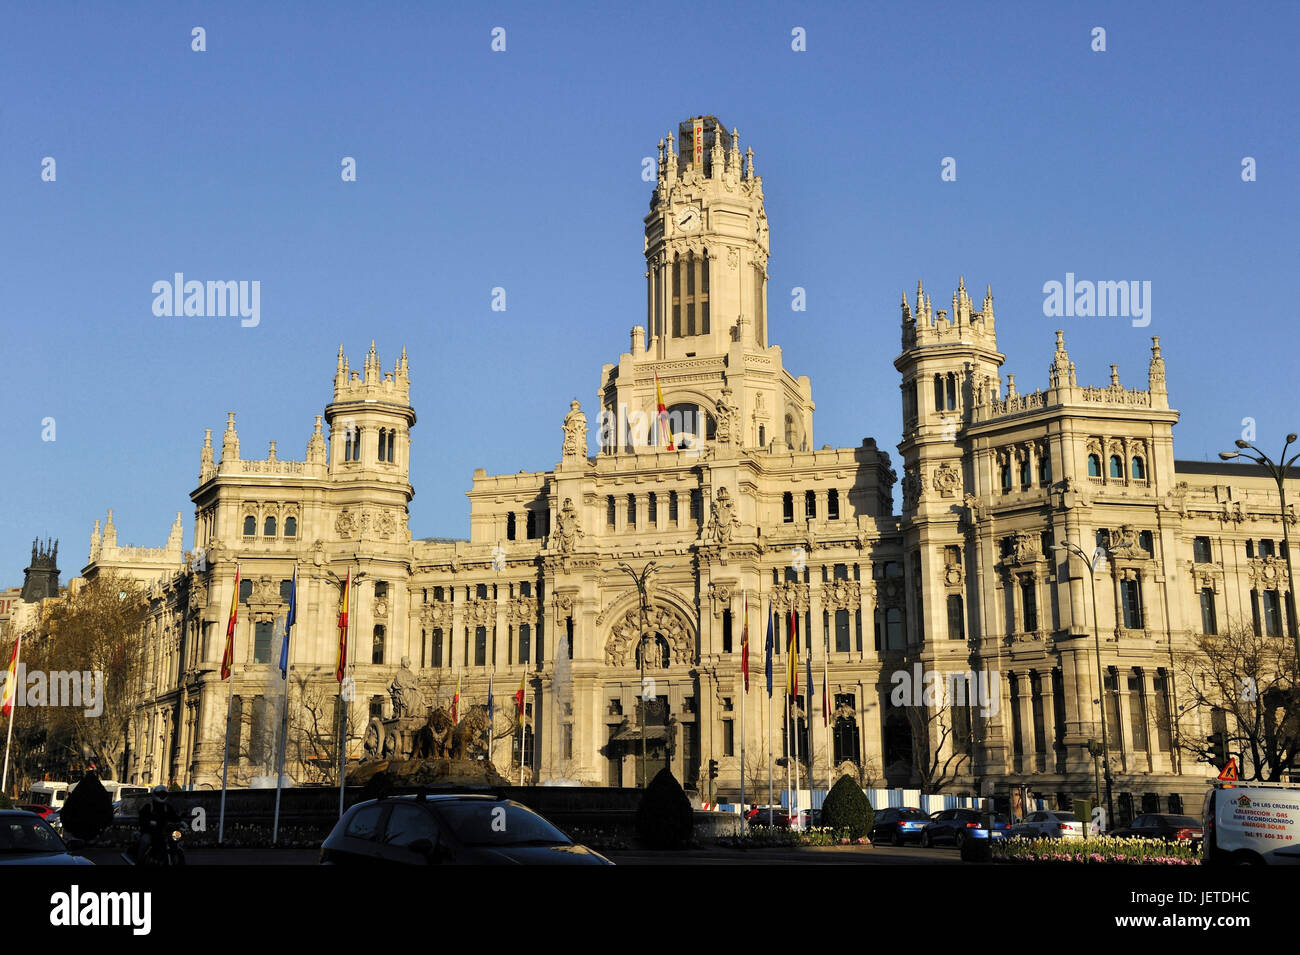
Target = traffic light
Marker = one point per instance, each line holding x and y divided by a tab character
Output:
1218	748
713	769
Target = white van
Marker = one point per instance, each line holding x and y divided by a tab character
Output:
118	790
1251	824
47	793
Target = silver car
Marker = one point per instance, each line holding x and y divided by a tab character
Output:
27	839
1049	825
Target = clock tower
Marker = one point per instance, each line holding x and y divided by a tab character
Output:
706	251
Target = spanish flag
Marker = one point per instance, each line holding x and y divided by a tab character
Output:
519	694
228	658
11	680
455	703
662	410
792	659
343	628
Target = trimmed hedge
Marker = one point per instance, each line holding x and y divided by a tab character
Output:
847	807
664	820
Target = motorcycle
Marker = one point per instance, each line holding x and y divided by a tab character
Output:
164	849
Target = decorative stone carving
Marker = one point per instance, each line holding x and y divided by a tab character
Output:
567	528
563	607
723	521
722	596
663	622
408	699
345	525
575	431
725	417
842	595
911	487
946	480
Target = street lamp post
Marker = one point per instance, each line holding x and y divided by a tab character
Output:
642	584
1278	471
1092	563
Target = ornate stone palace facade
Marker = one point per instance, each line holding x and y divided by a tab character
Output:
744	512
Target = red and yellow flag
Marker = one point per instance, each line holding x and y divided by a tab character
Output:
662	411
744	646
792	659
519	694
455	703
11	680
343	628
228	658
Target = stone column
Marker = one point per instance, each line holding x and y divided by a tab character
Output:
1049	718
1028	739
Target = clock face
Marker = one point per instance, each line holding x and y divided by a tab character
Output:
688	219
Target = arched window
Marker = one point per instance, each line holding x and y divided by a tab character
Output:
1094	466
1044	470
952	392
1024	472
377	645
291	527
1116	467
938	393
762	436
383	444
1006	478
250	525
268	527
1139	469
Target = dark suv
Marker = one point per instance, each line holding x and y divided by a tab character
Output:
955	826
450	829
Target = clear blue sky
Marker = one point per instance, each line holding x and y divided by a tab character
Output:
522	170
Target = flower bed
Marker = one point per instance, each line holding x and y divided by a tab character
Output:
1098	849
766	837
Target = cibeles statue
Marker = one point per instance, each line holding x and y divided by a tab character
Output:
408	700
575	431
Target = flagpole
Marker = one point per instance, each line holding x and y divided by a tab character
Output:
225	764
12	692
794	718
523	711
279	773
744	698
769	649
343	728
826	710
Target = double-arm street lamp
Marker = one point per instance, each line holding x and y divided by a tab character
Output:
1278	472
642	582
1094	563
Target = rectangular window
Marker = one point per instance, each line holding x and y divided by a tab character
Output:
956	618
480	646
1209	623
1254	613
1160	701
1272	613
672	507
1201	550
532	525
726	633
787	507
810	504
697	505
1131	593
1029	597
832	505
728	738
1137	710
653	515
841	631
1266	548
610	510
262	642
436	656
525	636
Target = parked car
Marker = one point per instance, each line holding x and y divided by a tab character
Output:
1049	824
897	825
776	817
955	826
1251	825
27	839
450	829
42	811
1163	826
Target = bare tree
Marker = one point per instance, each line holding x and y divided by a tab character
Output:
1251	680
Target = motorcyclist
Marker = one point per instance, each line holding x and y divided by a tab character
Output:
157	819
